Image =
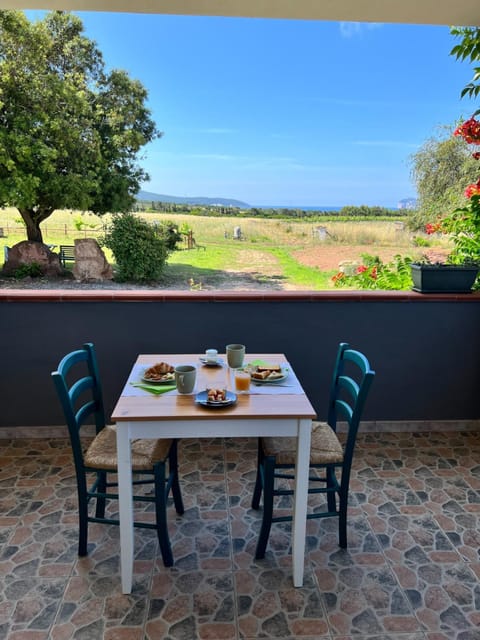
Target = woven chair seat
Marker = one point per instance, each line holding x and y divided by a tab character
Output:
102	453
325	447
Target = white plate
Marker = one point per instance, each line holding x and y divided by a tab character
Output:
161	381
210	363
283	377
202	398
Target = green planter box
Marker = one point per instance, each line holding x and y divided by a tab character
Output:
443	278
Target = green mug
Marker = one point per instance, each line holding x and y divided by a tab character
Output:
185	376
235	355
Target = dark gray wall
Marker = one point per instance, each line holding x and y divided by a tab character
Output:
426	353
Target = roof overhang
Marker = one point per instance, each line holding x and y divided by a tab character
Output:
446	12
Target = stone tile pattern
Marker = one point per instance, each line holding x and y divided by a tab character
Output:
411	570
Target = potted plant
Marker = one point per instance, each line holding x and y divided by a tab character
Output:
443	278
460	271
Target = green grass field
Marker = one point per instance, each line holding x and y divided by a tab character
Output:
267	250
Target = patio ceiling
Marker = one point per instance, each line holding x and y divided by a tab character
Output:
448	12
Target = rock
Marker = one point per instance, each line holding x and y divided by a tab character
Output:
90	262
32	253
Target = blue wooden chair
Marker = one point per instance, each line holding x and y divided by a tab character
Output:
350	385
78	386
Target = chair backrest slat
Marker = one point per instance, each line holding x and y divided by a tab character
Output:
85	411
79	387
349	384
344	409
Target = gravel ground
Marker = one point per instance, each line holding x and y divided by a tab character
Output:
237	281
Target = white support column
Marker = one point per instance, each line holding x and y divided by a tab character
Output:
125	505
301	498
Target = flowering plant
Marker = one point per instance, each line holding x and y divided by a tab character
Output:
464	225
469	131
464	222
373	273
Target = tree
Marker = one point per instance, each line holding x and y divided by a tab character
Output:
444	167
70	133
441	169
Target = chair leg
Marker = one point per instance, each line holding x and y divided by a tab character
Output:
161	514
257	492
101	487
268	488
82	518
331	484
342	519
173	468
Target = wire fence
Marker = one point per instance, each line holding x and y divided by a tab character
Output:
65	230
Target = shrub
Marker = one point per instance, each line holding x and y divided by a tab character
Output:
374	274
140	249
170	233
420	241
31	270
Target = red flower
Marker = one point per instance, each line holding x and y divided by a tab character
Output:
476	155
433	227
361	268
469	131
472	190
373	273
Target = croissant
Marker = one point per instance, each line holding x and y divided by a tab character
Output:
158	370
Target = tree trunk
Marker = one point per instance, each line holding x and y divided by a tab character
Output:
34	233
32	219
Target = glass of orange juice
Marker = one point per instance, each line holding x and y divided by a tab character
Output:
241	379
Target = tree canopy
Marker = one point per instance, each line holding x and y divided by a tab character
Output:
441	169
70	132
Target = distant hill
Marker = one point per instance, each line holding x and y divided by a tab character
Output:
223	202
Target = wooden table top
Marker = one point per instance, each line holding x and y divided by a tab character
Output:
174	406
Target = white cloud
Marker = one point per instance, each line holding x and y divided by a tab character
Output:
350	29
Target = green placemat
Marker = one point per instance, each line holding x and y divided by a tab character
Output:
152	388
262	363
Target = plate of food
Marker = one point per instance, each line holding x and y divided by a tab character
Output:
267	373
159	373
215	398
211	363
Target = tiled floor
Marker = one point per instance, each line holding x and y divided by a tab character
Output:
411	572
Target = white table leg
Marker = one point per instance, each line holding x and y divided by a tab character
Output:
125	505
301	499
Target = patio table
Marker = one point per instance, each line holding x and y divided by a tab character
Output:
139	414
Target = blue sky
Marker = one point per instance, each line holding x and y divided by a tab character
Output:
277	112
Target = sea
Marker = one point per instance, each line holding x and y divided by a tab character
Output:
294	206
307	208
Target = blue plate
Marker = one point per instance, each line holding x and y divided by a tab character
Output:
208	363
202	398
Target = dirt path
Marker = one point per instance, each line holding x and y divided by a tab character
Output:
328	257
